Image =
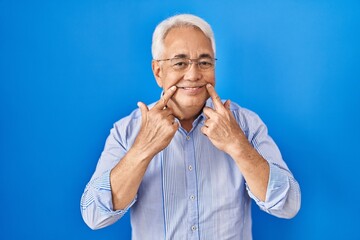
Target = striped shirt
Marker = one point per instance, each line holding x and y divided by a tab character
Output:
191	190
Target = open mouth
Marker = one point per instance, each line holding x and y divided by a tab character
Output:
192	91
191	88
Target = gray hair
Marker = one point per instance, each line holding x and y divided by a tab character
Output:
180	20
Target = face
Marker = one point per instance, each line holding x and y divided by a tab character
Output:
191	93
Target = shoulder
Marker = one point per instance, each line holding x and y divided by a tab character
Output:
242	111
128	126
247	118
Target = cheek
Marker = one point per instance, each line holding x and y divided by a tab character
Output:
170	81
211	79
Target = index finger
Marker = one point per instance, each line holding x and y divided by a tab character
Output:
214	96
165	98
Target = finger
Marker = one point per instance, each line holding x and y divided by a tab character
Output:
171	117
175	126
214	96
166	112
161	104
206	123
227	104
210	124
143	108
209	112
204	130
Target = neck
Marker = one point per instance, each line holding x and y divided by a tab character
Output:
187	124
186	115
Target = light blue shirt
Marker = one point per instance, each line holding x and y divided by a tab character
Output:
191	190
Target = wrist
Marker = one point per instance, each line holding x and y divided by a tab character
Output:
141	154
238	147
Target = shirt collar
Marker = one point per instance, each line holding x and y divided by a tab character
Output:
201	118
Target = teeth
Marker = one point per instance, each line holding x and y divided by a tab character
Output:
190	88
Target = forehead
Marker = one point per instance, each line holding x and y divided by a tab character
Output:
189	41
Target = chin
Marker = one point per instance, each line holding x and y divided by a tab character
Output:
191	103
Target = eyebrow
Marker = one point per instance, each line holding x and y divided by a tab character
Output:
181	56
204	55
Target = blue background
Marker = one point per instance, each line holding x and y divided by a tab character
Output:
70	69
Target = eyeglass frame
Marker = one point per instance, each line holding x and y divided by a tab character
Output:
190	62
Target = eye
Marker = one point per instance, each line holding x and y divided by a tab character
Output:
179	63
205	63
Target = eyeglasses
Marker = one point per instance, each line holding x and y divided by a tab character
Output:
183	64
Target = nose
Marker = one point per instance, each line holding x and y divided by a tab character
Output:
193	73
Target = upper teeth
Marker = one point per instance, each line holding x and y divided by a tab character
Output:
190	88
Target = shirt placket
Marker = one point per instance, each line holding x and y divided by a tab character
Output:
192	193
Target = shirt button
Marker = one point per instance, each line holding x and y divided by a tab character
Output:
192	197
193	228
190	168
187	137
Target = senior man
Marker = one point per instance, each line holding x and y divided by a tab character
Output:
188	165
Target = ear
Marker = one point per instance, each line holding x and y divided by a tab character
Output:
156	68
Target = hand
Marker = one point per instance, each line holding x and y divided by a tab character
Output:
220	126
225	133
158	125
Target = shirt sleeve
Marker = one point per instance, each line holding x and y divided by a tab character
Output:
96	202
283	197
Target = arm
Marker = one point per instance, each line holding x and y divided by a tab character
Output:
283	192
157	129
260	174
112	192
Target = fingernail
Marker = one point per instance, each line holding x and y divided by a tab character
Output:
173	88
208	85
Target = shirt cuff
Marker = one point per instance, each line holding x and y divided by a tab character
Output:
100	194
277	189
